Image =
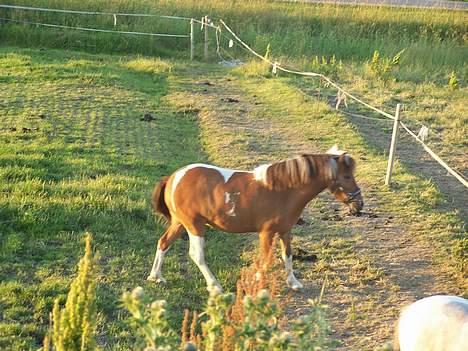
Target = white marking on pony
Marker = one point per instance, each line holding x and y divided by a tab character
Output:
197	254
335	151
434	323
260	174
291	279
228	200
155	274
225	172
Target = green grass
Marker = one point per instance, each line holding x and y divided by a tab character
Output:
435	40
86	162
75	157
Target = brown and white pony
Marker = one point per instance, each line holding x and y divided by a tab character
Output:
435	323
267	200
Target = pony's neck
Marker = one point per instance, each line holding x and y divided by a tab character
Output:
310	190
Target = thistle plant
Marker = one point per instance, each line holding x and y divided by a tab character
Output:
260	322
217	310
150	321
74	326
327	66
311	330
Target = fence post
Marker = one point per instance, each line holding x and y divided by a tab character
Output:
192	41
205	20
393	145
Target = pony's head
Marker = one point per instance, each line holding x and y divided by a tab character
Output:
343	186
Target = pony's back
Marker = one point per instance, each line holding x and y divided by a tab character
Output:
434	323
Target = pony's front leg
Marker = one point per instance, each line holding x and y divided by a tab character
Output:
286	254
197	254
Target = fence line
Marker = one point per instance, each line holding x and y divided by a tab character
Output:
204	23
436	157
42	9
276	66
114	14
95	29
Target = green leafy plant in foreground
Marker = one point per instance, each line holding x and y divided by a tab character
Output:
260	329
74	326
150	321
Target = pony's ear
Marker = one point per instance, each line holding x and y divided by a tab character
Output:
348	161
335	151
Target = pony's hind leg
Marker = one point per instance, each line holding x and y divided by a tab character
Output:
286	254
171	234
197	254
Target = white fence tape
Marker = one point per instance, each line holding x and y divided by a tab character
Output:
98	13
41	9
436	157
95	29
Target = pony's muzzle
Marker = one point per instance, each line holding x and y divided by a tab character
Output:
356	205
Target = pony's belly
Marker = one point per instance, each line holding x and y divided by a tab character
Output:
231	225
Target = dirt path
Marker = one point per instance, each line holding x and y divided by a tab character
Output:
372	265
412	155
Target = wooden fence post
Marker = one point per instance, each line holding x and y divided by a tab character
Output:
205	21
393	145
192	41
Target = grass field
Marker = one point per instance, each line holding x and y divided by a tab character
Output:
76	156
434	39
435	44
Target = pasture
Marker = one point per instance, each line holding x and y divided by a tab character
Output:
77	155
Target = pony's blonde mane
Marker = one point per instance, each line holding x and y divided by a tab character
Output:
296	172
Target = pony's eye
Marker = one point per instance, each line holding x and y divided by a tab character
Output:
347	177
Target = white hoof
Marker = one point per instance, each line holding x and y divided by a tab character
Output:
159	280
214	290
295	284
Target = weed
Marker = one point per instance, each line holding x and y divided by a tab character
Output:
328	66
74	327
453	81
150	320
381	67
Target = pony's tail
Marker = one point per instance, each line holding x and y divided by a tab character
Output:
157	199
